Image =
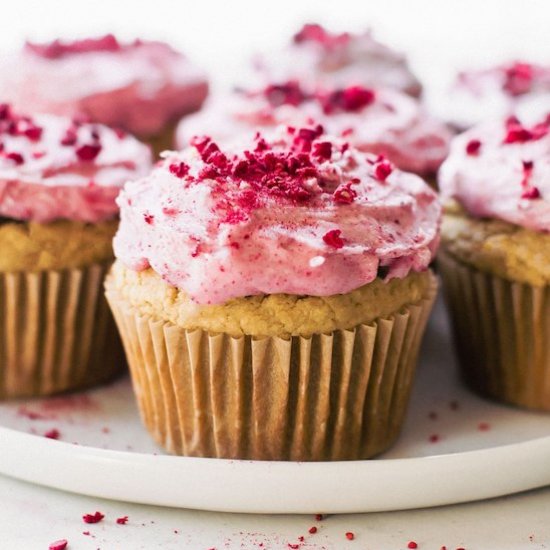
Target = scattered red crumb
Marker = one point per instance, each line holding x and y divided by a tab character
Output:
88	152
483	426
434	438
322	150
293	546
15	157
443	548
461	548
382	170
350	535
333	239
179	169
351	99
52	434
473	147
105	430
86	533
58	545
288	93
344	194
518	78
319	517
412	544
531	193
148	218
312	530
301	538
123	520
93	518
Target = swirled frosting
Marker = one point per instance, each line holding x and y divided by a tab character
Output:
54	167
139	86
381	121
320	57
502	170
302	213
496	92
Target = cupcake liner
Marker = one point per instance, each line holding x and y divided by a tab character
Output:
56	332
502	334
337	396
163	141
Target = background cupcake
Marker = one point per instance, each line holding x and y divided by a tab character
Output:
381	121
142	87
272	297
320	57
518	87
58	183
496	258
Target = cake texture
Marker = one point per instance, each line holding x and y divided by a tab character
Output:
272	295
495	258
140	86
374	120
59	178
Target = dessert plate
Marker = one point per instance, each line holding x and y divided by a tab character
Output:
455	447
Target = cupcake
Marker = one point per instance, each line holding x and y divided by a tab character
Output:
58	183
324	58
271	296
495	258
516	87
141	87
381	121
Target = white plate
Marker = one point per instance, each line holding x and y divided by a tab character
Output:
454	448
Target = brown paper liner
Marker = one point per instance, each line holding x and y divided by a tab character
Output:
56	332
502	334
163	141
338	396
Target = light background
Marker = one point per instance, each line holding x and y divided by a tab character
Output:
220	35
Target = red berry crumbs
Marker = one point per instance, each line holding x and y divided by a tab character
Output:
93	518
52	434
382	170
347	100
15	157
88	152
288	93
319	517
412	544
333	239
473	147
344	194
531	193
350	535
59	545
434	438
179	169
518	78
312	530
122	521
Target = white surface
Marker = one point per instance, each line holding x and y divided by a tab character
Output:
481	451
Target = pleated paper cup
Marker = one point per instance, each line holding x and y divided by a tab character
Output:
163	141
502	334
337	396
56	332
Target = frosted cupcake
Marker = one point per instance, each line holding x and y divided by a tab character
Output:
517	87
496	258
58	183
320	57
141	87
380	121
272	297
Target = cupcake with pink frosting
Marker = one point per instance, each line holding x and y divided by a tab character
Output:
59	179
381	121
517	87
141	87
272	295
320	57
495	258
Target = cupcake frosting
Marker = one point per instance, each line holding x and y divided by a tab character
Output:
54	167
302	213
496	92
139	86
321	57
502	170
381	121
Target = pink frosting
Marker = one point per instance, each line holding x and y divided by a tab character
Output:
301	214
321	57
496	92
55	168
140	86
502	170
381	121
